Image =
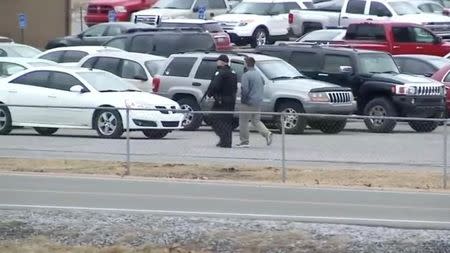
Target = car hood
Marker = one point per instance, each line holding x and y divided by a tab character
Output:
305	84
139	98
171	13
237	17
422	18
404	79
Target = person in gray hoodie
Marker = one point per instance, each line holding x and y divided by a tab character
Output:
252	92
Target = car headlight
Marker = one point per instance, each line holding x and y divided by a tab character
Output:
319	97
245	22
404	90
136	105
120	9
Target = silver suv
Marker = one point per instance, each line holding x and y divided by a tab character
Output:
185	77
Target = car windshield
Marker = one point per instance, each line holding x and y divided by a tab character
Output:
21	51
322	35
439	62
154	66
373	63
445	3
252	8
278	69
404	8
173	4
106	82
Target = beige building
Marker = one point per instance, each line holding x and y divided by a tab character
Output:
47	19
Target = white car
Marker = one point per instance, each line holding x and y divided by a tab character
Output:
135	68
258	22
8	49
72	89
70	56
12	65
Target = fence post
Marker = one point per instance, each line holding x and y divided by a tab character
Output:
283	148
81	18
445	153
127	172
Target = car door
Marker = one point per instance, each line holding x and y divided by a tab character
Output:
425	42
204	74
135	74
416	67
353	12
93	36
178	74
60	84
330	71
403	40
31	89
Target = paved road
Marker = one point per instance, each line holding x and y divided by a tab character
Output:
355	147
397	209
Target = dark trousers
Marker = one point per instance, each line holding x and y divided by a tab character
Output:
222	124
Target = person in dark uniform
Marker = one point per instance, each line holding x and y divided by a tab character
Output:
223	89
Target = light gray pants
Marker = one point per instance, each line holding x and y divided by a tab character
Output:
255	118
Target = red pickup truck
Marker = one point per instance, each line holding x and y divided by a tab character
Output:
98	10
394	38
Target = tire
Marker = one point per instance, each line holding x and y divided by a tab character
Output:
155	134
329	126
45	131
380	106
293	124
423	126
108	123
192	121
5	120
241	43
260	37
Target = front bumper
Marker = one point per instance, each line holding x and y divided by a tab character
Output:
142	119
330	108
420	106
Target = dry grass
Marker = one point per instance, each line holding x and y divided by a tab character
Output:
308	176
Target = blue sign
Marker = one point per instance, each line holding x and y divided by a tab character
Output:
112	16
201	12
22	21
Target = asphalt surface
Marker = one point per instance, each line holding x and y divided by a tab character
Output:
352	148
396	209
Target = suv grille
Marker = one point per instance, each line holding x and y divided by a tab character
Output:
147	19
99	9
339	97
428	90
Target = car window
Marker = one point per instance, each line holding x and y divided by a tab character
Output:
142	44
294	6
332	63
3	53
108	64
238	67
416	67
131	69
402	34
180	66
120	43
192	42
7	68
436	8
379	9
217	4
356	6
422	35
52	56
278	8
95	31
62	81
366	32
73	56
447	78
89	63
113	31
425	8
153	67
304	61
166	44
35	78
206	69
16	50
321	35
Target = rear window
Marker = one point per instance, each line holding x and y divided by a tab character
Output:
142	44
365	32
356	6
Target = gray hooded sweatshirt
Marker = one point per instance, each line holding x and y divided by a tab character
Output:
252	88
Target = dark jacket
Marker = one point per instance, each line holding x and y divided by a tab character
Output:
223	88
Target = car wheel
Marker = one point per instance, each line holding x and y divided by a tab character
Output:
293	123
329	126
108	123
192	121
155	134
45	131
5	120
260	37
423	126
380	107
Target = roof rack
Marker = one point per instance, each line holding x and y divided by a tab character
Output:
164	29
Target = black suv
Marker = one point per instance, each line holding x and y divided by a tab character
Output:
163	42
379	88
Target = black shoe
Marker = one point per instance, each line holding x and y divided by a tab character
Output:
224	146
218	144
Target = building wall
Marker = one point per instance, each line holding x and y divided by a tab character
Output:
47	19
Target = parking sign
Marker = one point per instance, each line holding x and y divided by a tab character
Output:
112	16
22	21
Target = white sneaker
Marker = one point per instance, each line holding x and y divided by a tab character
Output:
243	145
269	139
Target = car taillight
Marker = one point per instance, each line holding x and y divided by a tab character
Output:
291	18
156	83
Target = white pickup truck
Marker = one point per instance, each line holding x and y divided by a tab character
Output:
303	21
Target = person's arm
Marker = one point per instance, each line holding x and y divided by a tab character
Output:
244	87
214	86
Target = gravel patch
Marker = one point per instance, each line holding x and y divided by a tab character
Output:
212	234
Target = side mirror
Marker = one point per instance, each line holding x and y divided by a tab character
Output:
437	40
140	77
195	9
80	36
77	89
346	69
428	74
